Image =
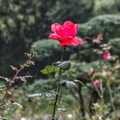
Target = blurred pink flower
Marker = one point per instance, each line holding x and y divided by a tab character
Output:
87	97
106	56
98	39
91	71
96	83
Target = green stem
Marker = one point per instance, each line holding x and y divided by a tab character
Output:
111	97
58	88
63	54
102	92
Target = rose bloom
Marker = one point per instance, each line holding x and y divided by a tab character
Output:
96	83
106	56
65	34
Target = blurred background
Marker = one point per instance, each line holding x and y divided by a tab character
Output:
24	23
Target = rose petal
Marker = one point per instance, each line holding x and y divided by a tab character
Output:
68	23
72	31
54	36
64	43
77	41
54	27
60	38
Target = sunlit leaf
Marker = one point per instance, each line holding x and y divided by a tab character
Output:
28	54
26	65
32	62
22	78
14	68
48	69
4	92
1	77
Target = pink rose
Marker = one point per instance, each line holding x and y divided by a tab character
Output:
106	56
96	83
65	34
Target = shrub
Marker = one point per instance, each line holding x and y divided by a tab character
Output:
47	51
116	45
107	25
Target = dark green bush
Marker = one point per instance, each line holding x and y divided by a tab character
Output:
42	85
103	7
115	45
74	10
107	25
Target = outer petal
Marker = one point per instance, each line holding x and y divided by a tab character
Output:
77	41
76	26
54	36
68	23
64	43
54	27
60	38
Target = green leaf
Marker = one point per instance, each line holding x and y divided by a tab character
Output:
51	105
50	95
70	84
48	69
30	97
61	109
80	82
62	70
56	63
63	82
52	118
65	65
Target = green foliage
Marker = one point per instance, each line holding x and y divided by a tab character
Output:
105	7
45	49
24	20
48	69
70	84
48	52
115	45
81	83
65	65
21	23
107	25
42	85
73	10
80	68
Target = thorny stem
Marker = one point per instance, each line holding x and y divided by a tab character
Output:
15	76
58	88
